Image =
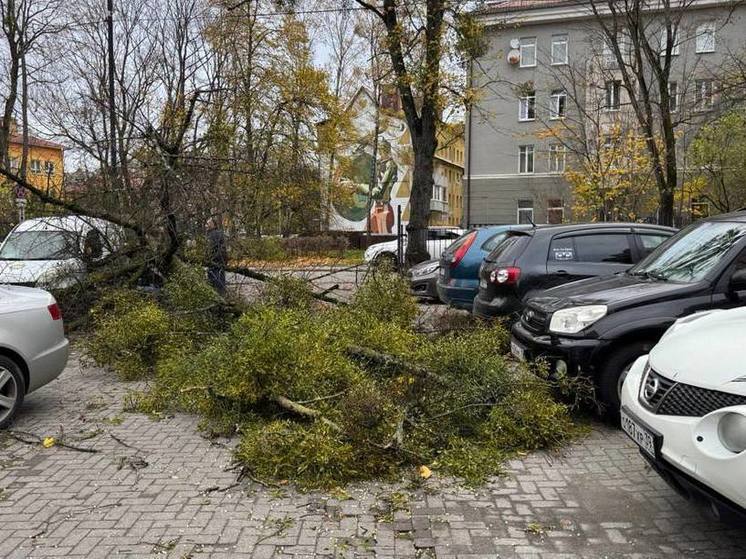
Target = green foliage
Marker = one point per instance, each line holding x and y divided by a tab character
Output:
288	291
451	401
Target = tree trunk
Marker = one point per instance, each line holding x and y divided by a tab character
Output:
419	201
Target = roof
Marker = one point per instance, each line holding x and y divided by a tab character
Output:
35	142
498	6
569	227
64	223
739	216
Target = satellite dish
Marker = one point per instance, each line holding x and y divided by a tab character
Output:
515	43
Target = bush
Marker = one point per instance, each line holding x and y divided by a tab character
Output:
323	396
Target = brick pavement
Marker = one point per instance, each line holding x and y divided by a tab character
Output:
161	490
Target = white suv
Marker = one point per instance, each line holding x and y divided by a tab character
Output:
684	404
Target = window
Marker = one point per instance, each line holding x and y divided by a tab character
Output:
613	89
528	52
664	43
490	244
650	242
558	104
557	158
527	107
601	248
705	37
559	49
703	95
525	211
35	166
624	43
49	168
15	164
562	250
526	159
439	192
673	96
555	211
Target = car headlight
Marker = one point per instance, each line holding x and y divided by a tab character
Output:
575	319
426	270
732	432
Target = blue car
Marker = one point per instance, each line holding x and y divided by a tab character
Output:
458	276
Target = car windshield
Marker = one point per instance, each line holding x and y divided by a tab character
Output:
693	254
38	245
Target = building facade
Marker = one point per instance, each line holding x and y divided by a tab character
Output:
549	84
373	177
45	163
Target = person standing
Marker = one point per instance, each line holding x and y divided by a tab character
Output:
217	255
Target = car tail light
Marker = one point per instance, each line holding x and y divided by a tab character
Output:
461	251
505	276
54	311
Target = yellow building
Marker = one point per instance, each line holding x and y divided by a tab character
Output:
447	204
45	168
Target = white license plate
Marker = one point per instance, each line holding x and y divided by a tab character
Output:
483	284
518	351
639	434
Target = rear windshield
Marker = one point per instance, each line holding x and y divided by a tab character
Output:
510	249
490	244
454	246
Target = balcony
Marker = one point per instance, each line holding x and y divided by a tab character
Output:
438	206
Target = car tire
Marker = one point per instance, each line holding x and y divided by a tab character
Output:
12	390
611	374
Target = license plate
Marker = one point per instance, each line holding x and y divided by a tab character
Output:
642	436
518	351
483	284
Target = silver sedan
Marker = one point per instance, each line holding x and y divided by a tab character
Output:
33	347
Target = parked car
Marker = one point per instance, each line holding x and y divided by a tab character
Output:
422	280
532	260
458	278
600	326
438	239
684	404
54	252
33	347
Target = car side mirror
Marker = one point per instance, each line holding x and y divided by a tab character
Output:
738	280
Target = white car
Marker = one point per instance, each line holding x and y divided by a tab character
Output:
438	239
53	252
684	404
33	347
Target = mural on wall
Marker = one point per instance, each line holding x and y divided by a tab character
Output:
391	188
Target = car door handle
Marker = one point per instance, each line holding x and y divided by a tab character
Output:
561	273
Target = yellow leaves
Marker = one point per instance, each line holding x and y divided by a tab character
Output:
424	472
48	442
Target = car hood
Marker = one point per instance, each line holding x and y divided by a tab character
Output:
616	292
706	350
14	298
32	271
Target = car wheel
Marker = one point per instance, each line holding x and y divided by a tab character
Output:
386	260
12	390
612	374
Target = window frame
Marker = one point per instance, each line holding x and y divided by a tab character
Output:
613	96
560	39
555	208
555	150
35	166
705	29
526	42
525	208
674	100
699	99
523	155
554	104
529	103
675	48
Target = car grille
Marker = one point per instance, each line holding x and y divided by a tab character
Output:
685	400
534	320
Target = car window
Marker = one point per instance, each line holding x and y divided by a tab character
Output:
455	245
650	242
562	250
693	252
39	245
603	248
490	244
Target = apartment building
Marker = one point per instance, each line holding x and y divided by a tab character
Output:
549	73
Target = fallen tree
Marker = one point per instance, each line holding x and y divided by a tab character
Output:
322	395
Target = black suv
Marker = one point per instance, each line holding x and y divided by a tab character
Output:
600	326
532	260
